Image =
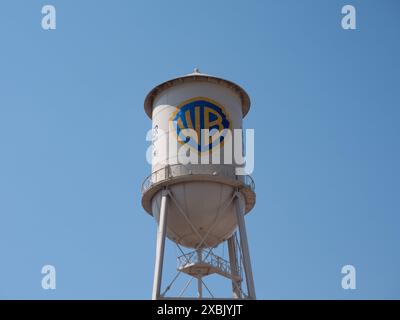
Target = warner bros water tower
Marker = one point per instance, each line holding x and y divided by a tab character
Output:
199	206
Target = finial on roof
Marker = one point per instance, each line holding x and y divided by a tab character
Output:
196	70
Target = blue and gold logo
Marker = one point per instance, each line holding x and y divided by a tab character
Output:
198	114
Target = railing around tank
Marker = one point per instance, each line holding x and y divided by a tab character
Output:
211	259
177	170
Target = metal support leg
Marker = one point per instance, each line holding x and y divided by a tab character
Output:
199	280
245	249
234	267
161	233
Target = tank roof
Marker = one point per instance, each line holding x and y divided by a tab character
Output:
196	75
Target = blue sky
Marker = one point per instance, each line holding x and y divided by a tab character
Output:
325	109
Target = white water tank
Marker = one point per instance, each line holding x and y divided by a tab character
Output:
201	212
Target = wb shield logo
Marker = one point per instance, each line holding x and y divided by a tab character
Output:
198	114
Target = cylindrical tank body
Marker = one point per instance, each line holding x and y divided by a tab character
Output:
168	103
201	211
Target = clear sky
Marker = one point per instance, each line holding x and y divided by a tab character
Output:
325	109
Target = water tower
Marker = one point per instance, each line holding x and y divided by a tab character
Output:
199	205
